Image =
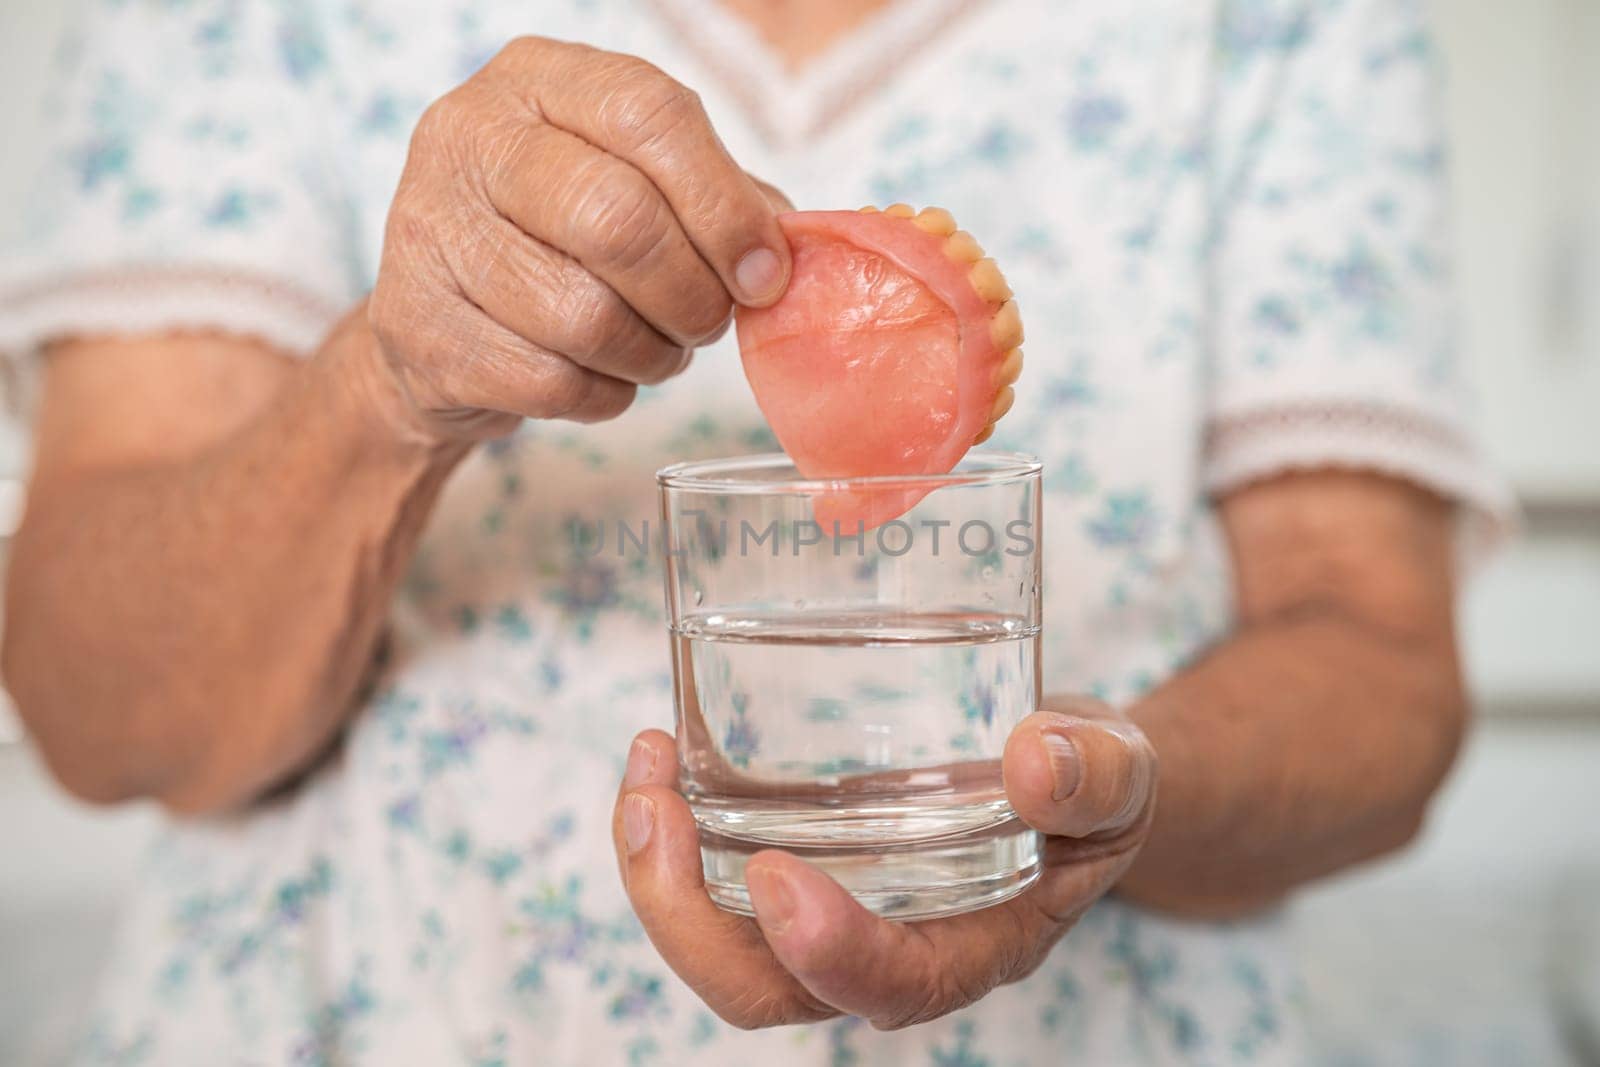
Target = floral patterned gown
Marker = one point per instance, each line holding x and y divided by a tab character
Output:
1223	221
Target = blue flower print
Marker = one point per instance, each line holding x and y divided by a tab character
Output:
1093	119
1126	519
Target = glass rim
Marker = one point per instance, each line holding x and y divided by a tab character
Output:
735	475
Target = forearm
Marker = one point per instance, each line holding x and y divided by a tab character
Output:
1302	745
194	630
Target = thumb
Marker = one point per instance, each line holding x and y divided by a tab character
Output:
1079	770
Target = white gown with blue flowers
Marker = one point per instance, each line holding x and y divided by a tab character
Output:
1223	222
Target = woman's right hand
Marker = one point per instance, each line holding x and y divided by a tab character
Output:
568	227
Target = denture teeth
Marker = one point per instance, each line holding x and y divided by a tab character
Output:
1006	328
989	282
1002	404
962	247
869	210
988	432
935	220
900	211
1010	368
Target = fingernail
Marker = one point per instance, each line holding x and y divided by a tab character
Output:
722	332
759	273
1064	766
638	819
777	907
641	761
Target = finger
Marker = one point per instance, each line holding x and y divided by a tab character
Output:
632	110
1079	771
775	196
491	367
718	954
652	760
719	334
609	217
892	974
550	299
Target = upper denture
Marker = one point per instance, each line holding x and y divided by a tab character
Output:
894	349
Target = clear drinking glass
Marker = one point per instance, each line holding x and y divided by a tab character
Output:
845	693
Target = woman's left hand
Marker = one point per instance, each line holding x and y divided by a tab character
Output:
1076	771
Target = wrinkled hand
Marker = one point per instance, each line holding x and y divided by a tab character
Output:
568	226
813	952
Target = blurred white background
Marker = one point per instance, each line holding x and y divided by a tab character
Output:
1487	933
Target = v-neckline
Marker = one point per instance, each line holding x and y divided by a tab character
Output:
789	107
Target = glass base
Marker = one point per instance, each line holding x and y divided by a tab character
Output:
921	880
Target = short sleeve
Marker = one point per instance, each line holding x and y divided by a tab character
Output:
186	181
1333	333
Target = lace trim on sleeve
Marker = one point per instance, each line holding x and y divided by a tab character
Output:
1249	446
129	300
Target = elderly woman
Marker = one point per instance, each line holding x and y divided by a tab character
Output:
344	311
